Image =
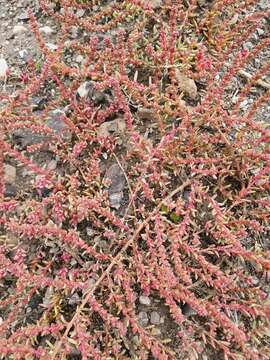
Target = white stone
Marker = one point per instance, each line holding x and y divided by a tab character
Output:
260	31
3	68
80	12
51	46
23	53
83	89
79	59
47	30
144	300
19	29
243	104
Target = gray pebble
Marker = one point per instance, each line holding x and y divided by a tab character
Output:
115	199
74	299
23	16
248	45
188	310
143	318
155	318
10	190
118	182
144	300
52	165
57	124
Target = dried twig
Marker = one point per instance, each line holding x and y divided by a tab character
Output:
260	82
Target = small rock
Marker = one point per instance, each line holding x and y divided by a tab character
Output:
75	31
10	190
108	128
144	300
79	59
25	137
46	30
87	91
67	44
3	103
186	85
9	173
45	192
80	13
84	89
156	331
188	310
248	45
48	296
143	318
3	68
23	16
186	195
91	282
255	280
38	103
23	54
73	262
90	231
103	244
19	29
145	114
74	353
117	185
52	165
115	199
51	46
243	104
57	124
155	318
136	340
260	31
